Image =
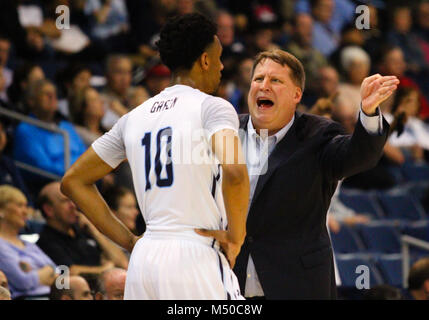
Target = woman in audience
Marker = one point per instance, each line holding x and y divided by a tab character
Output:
29	270
74	78
408	132
87	111
23	77
124	205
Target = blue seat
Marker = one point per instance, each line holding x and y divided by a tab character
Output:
419	230
346	241
380	238
362	202
32	226
391	269
401	206
347	267
415	172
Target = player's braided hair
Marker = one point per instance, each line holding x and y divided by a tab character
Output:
183	39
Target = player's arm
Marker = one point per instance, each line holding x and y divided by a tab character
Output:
226	146
79	185
235	187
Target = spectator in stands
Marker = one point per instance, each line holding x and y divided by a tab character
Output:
376	178
111	23
4	294
382	292
74	78
111	285
24	26
146	19
328	81
418	280
3	280
325	38
231	48
88	111
301	47
237	93
422	27
71	240
9	173
29	270
78	290
6	72
39	147
340	213
24	76
123	204
373	36
391	61
116	94
157	79
400	35
412	134
356	64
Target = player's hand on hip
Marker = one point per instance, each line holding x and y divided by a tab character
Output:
229	248
376	89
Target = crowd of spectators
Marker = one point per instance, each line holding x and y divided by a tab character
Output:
84	77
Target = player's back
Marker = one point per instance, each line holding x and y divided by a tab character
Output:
176	179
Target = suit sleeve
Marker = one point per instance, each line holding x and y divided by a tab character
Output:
345	155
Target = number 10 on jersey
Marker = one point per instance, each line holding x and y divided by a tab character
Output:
146	143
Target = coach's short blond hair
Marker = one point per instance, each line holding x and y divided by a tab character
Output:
8	194
297	73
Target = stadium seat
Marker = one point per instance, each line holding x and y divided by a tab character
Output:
362	202
347	264
419	230
391	268
380	238
415	172
346	241
401	206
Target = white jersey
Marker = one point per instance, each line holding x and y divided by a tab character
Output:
167	143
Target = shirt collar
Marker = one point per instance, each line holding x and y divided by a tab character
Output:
278	136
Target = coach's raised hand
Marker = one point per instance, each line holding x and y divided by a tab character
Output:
375	89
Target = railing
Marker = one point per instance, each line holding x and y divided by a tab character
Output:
47	126
406	242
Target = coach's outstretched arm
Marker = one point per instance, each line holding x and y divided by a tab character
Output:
226	146
79	185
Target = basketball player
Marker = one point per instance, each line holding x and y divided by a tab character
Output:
183	194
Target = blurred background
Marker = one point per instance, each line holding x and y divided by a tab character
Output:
60	89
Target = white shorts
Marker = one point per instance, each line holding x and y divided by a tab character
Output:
179	266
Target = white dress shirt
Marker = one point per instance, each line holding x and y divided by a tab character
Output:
257	149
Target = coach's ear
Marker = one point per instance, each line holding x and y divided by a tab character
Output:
204	61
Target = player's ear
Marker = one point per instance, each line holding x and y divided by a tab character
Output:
204	61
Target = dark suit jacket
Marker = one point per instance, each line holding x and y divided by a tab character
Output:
286	225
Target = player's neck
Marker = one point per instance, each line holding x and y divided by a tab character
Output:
187	79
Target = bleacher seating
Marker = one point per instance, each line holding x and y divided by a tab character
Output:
362	202
380	237
346	241
401	206
347	264
391	268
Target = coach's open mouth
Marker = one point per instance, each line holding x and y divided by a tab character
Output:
264	103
